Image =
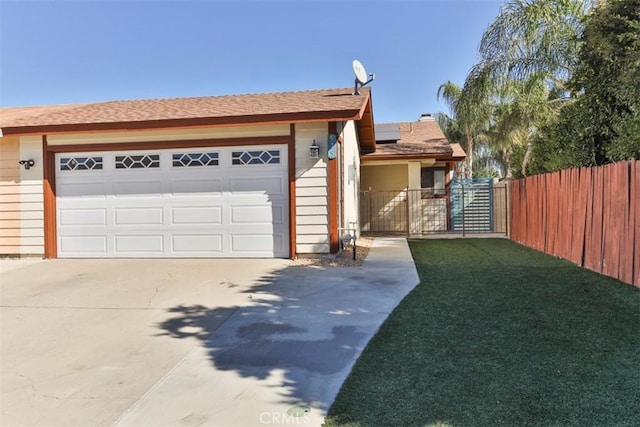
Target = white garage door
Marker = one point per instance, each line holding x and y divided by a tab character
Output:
196	202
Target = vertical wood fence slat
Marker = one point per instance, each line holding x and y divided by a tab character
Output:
590	259
579	222
635	213
590	216
626	238
597	224
609	232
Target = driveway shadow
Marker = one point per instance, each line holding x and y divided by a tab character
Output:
307	324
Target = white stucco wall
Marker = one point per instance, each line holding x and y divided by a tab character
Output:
312	214
351	177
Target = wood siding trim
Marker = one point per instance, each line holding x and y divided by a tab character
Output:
306	117
48	187
161	145
292	191
333	202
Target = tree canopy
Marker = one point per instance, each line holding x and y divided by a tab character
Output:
603	124
556	85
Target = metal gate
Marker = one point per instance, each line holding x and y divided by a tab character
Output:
467	206
472	205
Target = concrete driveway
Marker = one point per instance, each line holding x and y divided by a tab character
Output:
187	342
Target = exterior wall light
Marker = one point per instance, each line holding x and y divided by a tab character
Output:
27	163
314	150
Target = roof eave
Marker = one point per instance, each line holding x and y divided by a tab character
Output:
365	126
441	157
263	119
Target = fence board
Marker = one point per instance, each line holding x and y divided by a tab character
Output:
609	228
635	191
583	183
594	246
590	216
626	238
542	211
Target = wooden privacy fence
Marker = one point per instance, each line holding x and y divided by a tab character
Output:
590	216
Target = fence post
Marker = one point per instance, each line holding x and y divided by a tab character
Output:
407	217
506	208
463	219
370	206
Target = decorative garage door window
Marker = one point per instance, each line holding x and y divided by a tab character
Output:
80	163
194	159
266	157
144	161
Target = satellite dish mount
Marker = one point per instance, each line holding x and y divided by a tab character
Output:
361	76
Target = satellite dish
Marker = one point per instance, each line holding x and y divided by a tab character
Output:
361	76
359	71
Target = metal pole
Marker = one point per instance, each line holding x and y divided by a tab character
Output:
355	240
407	212
463	218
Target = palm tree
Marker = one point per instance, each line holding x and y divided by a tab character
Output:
471	117
533	37
525	106
526	56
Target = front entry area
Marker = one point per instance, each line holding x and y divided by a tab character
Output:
180	203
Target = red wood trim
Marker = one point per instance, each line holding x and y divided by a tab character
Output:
292	192
364	106
332	172
262	119
161	145
49	194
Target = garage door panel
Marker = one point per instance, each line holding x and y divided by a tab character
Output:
139	244
261	185
186	187
137	189
87	190
256	214
138	216
80	217
196	215
84	245
253	243
191	244
204	207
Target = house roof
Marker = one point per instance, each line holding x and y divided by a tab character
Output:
417	140
284	107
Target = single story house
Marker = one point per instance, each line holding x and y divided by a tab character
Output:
260	175
405	179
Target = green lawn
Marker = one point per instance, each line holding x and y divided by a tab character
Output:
499	335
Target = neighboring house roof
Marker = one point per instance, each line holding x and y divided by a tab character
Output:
285	107
417	140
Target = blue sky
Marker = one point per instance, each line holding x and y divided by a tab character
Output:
57	52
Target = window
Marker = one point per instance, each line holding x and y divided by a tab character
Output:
267	157
80	163
432	182
194	159
144	161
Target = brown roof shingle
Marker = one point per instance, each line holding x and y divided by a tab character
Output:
422	139
251	108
